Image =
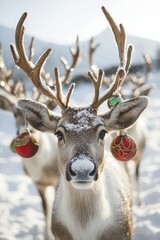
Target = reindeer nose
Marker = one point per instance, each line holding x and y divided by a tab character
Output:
81	169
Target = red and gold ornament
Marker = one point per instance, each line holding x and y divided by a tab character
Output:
123	147
26	145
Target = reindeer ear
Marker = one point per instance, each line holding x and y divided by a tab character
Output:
38	115
124	114
144	90
7	101
5	104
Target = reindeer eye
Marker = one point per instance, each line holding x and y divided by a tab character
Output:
59	135
102	134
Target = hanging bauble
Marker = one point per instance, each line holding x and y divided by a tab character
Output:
123	147
26	144
114	100
12	146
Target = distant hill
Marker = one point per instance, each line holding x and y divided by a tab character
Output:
7	37
106	55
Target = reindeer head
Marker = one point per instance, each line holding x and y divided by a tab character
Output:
80	130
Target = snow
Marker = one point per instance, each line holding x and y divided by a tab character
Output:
82	163
21	214
83	120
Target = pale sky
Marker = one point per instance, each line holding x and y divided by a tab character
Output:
61	20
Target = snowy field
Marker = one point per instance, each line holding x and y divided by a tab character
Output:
21	214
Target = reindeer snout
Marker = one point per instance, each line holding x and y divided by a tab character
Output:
81	169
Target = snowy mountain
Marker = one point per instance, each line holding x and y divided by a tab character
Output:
105	56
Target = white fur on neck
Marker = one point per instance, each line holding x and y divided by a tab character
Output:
105	206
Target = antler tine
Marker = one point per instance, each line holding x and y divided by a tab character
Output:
75	52
119	33
128	62
5	74
95	70
129	58
19	89
97	81
148	64
92	49
33	71
31	50
120	37
63	100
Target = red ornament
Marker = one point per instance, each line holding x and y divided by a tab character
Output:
26	144
123	147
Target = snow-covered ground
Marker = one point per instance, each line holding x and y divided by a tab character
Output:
21	214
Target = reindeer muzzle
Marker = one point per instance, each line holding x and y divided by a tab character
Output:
81	171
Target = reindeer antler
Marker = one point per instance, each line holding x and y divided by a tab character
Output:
92	49
34	71
119	34
7	83
97	101
120	37
75	52
31	50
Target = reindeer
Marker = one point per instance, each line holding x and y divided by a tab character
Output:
43	173
93	198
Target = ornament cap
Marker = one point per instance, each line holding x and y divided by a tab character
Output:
123	132
25	130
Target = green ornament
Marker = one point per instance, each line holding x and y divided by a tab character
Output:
114	100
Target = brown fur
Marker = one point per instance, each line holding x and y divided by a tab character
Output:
60	230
